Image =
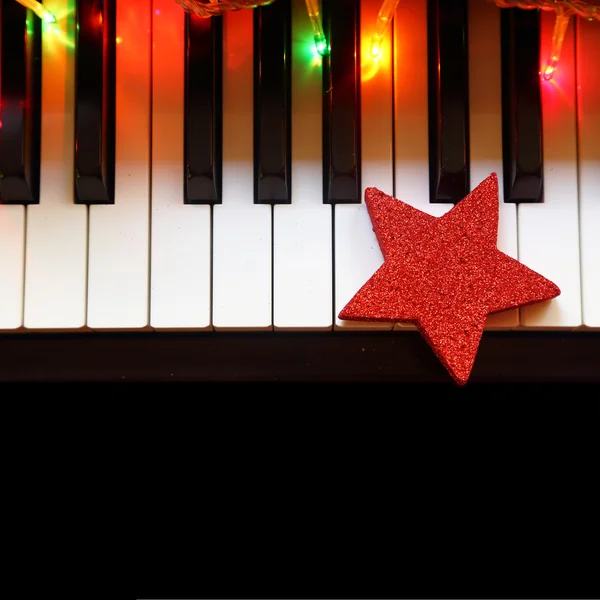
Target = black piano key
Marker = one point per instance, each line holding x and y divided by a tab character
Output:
341	103
203	109
272	103
448	68
521	105
95	102
20	104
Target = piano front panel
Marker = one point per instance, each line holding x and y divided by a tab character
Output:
158	260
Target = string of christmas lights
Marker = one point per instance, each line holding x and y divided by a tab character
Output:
214	8
565	9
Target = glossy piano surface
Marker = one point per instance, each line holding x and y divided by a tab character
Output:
235	255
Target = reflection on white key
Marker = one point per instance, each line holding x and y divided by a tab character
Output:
242	240
302	234
119	233
411	110
180	246
12	265
588	104
357	252
56	238
485	122
549	231
12	262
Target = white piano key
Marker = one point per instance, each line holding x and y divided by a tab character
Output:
242	238
549	231
485	122
119	233
411	99
12	265
180	292
357	252
302	230
56	228
588	105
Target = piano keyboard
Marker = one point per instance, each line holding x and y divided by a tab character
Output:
165	172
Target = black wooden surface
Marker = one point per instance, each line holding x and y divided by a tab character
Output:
515	356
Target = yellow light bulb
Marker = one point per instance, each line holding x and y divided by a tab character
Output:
375	48
39	9
384	18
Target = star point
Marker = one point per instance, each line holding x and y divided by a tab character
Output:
444	274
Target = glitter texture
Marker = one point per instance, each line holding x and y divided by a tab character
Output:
444	274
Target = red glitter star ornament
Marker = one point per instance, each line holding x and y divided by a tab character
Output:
444	274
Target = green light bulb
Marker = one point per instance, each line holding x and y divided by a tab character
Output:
322	46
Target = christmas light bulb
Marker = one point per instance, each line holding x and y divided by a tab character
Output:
322	47
39	9
384	18
314	14
375	47
558	37
565	9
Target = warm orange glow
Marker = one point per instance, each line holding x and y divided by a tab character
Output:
238	28
58	61
368	68
133	77
553	89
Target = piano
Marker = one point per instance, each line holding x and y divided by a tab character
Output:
183	198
